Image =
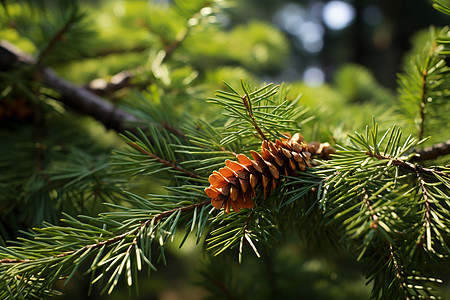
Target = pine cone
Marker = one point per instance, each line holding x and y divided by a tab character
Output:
235	185
321	150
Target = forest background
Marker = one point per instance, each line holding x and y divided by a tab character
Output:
343	57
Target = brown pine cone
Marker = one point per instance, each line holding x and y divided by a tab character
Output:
235	185
321	150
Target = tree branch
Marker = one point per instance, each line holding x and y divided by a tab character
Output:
432	152
414	168
78	98
86	102
103	87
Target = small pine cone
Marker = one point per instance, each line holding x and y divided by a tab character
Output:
235	185
321	150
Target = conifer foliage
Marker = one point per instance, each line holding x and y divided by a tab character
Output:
364	195
234	185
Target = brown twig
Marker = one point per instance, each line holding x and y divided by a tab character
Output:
245	100
173	130
373	215
170	49
423	101
397	270
116	50
103	87
162	161
408	166
182	209
427	209
87	102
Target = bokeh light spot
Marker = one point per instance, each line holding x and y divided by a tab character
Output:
313	76
338	14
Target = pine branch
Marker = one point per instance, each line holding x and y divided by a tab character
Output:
428	222
381	205
156	155
76	97
250	114
74	16
432	152
398	273
153	221
378	198
259	113
162	161
122	79
423	86
416	169
372	213
130	235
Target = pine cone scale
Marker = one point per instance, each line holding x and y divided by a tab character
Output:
234	193
244	185
253	180
273	170
286	153
217	180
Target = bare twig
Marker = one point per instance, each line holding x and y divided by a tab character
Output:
432	152
103	87
86	102
122	79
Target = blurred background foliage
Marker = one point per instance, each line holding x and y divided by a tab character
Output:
342	56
